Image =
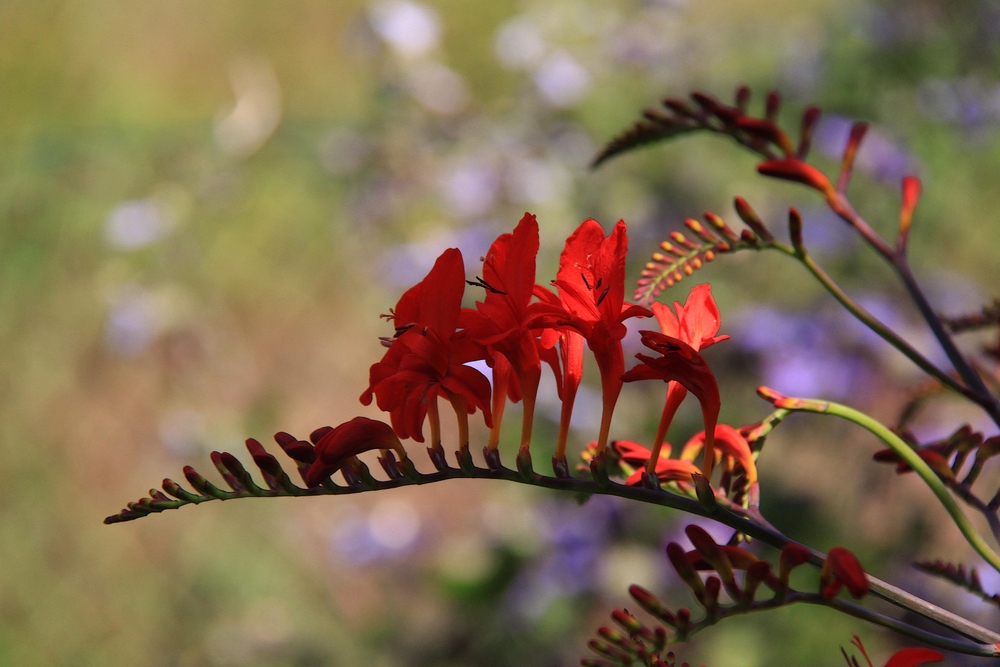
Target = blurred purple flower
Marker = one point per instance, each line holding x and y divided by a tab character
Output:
577	536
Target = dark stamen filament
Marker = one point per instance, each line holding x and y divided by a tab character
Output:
479	282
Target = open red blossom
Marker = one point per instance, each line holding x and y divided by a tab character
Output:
501	321
428	357
842	568
591	284
697	323
343	443
681	363
667	469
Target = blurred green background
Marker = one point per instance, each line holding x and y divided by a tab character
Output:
204	207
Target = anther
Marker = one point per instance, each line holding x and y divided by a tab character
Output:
479	282
585	281
603	294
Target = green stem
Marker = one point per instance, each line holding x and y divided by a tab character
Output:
912	459
873	323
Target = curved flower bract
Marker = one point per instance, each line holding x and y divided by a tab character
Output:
341	444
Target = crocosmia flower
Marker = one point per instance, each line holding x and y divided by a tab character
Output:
428	357
697	323
591	284
679	362
501	321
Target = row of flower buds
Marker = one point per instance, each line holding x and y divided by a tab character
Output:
642	644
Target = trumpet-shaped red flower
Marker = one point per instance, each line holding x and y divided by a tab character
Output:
501	321
696	322
591	284
343	443
682	363
428	357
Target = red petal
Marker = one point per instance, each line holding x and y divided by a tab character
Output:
633	452
912	657
576	264
730	441
798	171
699	318
847	569
349	439
518	269
669	324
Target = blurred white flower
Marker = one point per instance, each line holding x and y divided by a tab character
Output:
438	88
519	43
411	28
257	112
135	224
561	80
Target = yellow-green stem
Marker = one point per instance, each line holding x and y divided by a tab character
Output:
912	459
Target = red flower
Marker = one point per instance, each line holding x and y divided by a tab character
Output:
842	569
343	443
697	324
682	363
427	357
732	445
501	321
591	284
569	359
667	469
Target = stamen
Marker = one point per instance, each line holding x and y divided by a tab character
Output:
585	281
603	294
385	341
402	330
479	282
